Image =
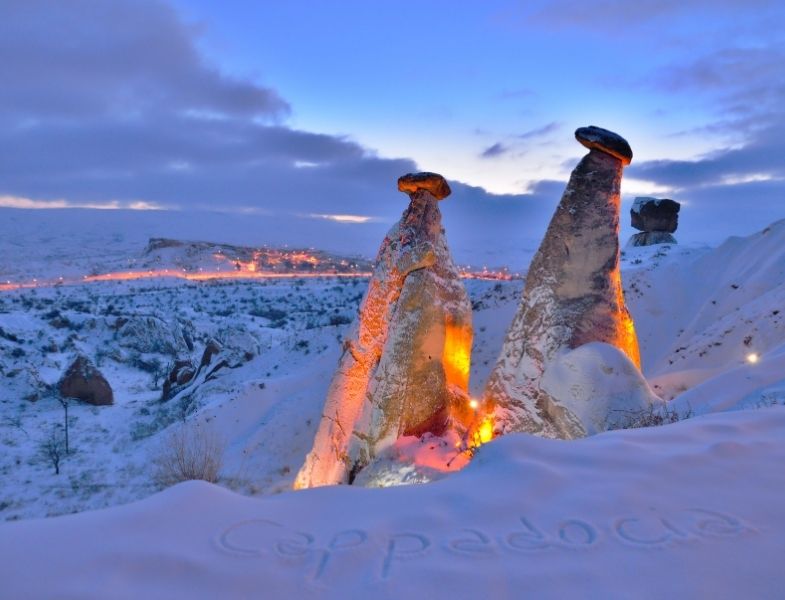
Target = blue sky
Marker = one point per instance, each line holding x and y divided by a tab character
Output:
295	109
444	81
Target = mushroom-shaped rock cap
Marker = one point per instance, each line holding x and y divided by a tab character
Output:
430	182
606	141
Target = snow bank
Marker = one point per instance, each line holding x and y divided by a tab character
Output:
683	511
600	386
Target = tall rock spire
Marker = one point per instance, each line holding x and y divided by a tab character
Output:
573	294
405	366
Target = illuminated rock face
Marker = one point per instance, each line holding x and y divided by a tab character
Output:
405	366
573	295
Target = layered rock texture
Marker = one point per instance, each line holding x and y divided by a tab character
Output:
573	295
405	365
656	219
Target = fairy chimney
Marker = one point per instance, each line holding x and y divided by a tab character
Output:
405	366
573	294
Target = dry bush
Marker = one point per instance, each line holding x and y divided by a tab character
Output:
653	416
188	453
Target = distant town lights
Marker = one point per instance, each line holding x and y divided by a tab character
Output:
752	358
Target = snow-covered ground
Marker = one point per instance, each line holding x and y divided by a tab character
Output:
282	335
689	509
711	322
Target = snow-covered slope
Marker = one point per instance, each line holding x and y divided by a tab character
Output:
703	313
266	409
684	511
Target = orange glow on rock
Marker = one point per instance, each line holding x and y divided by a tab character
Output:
626	338
485	431
456	356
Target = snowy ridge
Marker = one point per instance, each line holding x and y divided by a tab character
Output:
700	313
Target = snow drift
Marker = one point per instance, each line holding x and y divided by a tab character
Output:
683	511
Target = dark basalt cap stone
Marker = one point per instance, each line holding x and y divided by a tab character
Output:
430	182
655	214
597	138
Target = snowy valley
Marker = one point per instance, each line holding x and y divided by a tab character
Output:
701	315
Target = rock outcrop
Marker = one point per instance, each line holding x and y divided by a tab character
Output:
151	334
83	381
405	365
656	218
235	348
180	375
573	295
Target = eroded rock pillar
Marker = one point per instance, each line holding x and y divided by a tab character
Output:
573	294
405	366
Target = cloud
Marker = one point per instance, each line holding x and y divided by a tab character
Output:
518	94
540	131
623	17
113	100
494	151
500	149
760	158
496	230
745	87
733	191
343	218
123	57
29	203
110	104
713	213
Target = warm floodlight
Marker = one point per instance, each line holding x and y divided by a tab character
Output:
752	358
473	404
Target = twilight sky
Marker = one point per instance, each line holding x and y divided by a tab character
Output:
299	112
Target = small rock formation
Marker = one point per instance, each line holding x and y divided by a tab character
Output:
405	365
181	374
234	349
656	218
573	295
83	381
212	348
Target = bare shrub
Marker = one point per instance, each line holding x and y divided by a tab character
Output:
653	416
188	453
53	449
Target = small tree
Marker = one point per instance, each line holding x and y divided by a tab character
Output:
64	403
52	449
188	453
